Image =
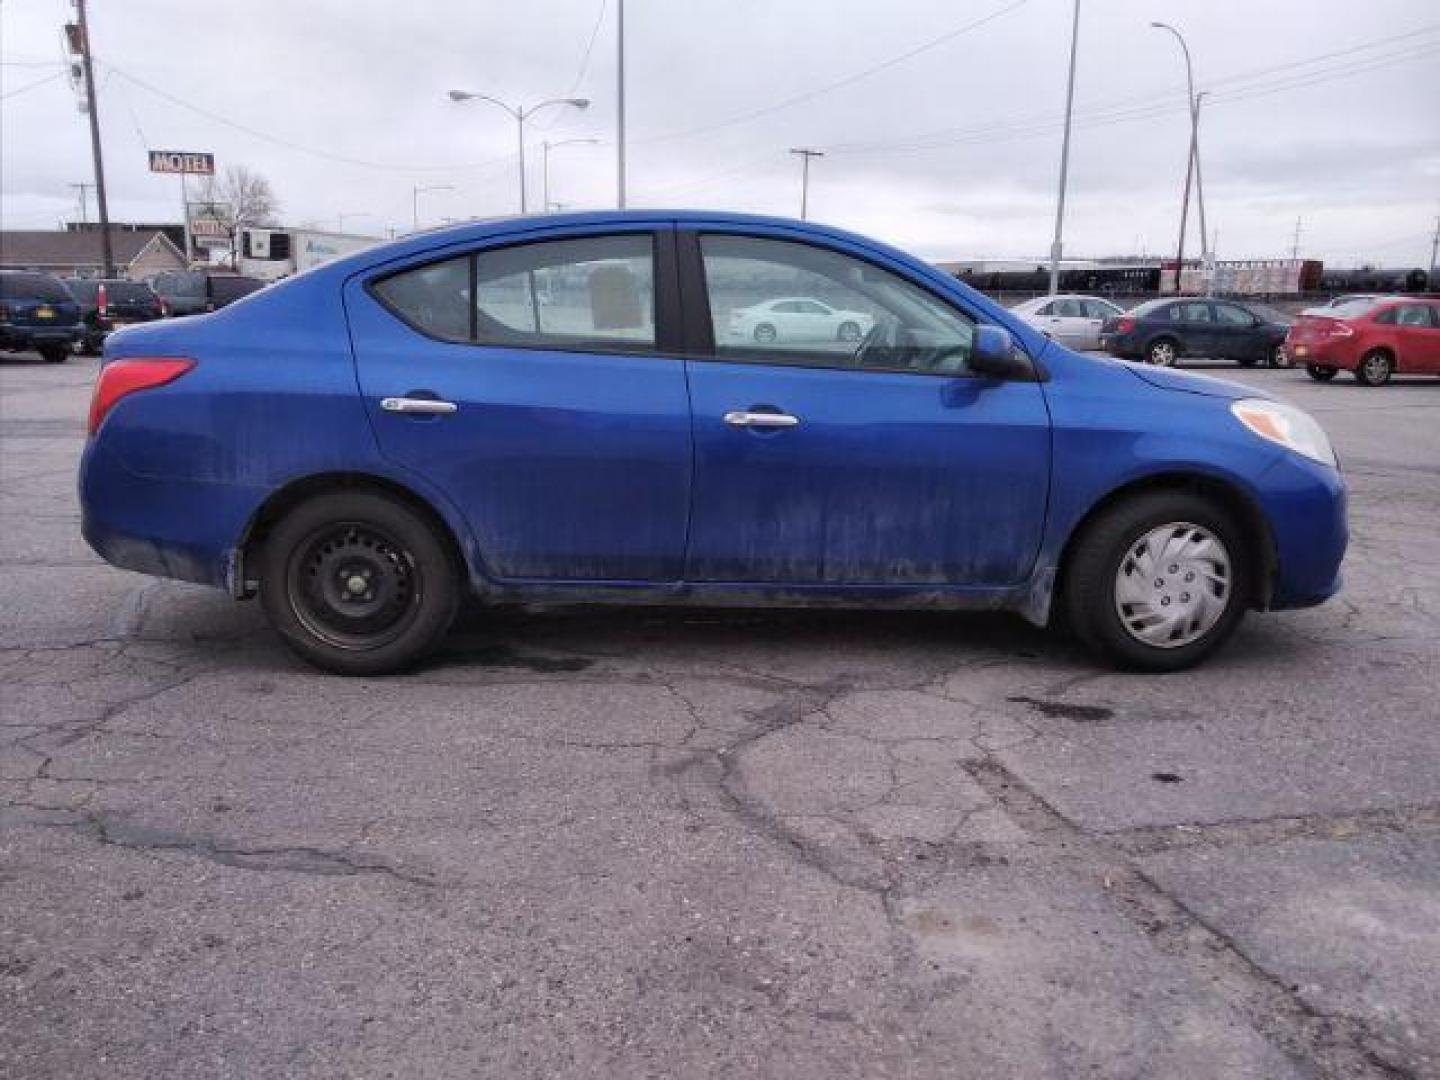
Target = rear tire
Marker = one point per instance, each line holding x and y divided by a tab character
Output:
1162	352
1375	368
1246	361
764	333
1280	357
1320	373
1201	562
848	331
53	354
358	583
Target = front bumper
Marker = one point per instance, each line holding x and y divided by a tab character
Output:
1305	504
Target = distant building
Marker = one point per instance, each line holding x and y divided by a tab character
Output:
77	252
174	231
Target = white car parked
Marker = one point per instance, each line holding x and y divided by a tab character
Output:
1074	321
798	318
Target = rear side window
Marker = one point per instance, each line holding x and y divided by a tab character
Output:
1098	309
1232	315
1190	313
224	290
596	293
127	291
33	287
83	291
1413	315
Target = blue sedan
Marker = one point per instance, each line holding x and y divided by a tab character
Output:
548	410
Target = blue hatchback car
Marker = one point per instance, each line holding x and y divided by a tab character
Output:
588	407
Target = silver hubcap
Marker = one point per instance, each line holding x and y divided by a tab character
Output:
1163	354
1375	368
1172	585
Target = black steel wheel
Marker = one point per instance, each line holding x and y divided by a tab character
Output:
359	583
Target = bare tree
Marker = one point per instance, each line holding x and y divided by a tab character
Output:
235	200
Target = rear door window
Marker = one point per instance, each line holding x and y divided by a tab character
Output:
595	293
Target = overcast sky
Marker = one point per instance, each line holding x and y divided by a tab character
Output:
1323	110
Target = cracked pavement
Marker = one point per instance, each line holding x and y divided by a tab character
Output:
696	843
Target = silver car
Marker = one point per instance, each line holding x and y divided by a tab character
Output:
1074	321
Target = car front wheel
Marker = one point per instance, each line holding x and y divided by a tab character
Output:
1375	368
1159	581
1280	357
1319	372
849	331
765	333
358	583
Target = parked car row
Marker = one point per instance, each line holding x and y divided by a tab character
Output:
1161	332
1372	335
55	317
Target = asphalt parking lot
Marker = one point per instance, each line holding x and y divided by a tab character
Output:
689	843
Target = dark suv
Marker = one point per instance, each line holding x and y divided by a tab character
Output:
193	292
1162	331
107	304
37	312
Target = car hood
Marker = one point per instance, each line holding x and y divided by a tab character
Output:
1190	383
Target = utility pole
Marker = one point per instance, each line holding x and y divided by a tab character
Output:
1295	241
1055	246
83	189
1193	160
805	156
1434	251
620	103
93	108
1207	258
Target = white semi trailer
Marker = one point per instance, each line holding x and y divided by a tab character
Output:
274	253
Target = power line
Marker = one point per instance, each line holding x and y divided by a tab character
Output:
1046	120
31	86
290	144
847	80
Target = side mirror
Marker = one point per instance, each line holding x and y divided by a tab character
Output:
993	354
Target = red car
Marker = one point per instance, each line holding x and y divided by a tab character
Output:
1374	337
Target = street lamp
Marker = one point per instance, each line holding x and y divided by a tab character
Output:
415	194
521	114
1192	165
340	218
546	147
805	154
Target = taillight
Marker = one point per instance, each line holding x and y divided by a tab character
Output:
164	307
101	301
122	377
1124	325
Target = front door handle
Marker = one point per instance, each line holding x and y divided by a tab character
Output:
418	406
742	418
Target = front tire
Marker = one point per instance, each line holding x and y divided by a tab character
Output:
1320	373
53	354
358	583
1280	357
1158	582
848	331
1375	368
765	333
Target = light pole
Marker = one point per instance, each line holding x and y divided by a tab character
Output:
1192	164
805	156
546	147
415	193
340	218
1055	246
521	114
620	104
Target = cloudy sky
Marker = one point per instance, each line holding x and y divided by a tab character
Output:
940	119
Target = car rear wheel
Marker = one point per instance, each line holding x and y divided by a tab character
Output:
765	332
1162	353
1159	581
1375	368
1280	357
54	354
1319	372
1245	361
358	583
849	331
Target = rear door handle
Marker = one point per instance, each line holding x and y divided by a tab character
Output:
418	406
742	418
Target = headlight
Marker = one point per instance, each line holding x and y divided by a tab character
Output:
1286	425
